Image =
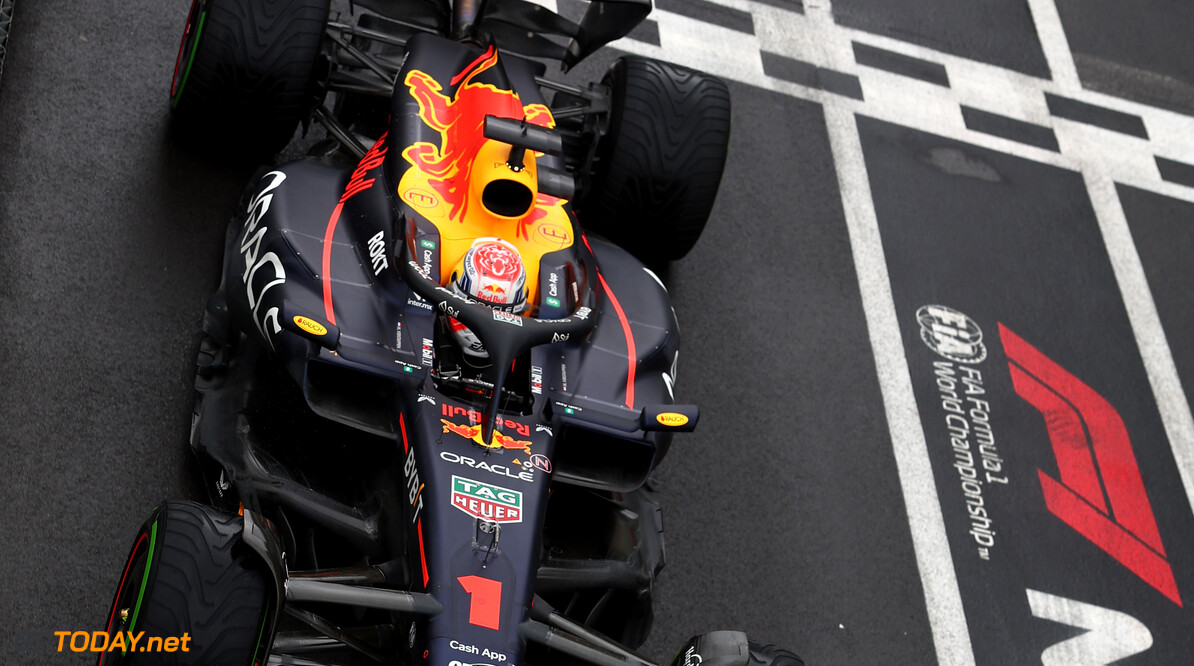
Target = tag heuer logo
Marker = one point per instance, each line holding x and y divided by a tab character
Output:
481	500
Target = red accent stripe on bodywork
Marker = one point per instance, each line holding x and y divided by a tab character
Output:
422	553
326	267
472	65
357	183
631	354
1126	529
402	428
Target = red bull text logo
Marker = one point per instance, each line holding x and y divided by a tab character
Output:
372	159
499	440
474	418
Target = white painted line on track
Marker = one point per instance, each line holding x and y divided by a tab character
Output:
943	598
1055	45
1101	176
1103	157
1146	326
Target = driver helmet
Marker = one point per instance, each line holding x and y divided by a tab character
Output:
492	273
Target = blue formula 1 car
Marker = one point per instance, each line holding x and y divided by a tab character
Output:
429	400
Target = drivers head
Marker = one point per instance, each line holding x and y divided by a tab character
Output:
492	273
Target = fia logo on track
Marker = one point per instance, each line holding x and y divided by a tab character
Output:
951	334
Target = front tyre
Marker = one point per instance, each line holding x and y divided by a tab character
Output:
247	72
190	574
659	164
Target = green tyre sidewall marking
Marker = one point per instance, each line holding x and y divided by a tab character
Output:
190	59
153	539
261	632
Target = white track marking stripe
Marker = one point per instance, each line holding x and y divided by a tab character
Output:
943	599
1104	158
1055	45
1146	326
1100	176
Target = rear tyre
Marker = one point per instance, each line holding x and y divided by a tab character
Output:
660	163
190	574
247	72
770	655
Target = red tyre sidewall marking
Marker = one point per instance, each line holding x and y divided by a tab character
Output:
120	590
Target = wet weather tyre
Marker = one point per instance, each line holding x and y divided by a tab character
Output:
247	72
190	574
770	655
659	165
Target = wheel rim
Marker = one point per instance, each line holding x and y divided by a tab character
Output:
130	593
186	50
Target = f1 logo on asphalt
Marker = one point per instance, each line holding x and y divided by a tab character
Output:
1122	525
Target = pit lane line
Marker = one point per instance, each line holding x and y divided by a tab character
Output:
1104	158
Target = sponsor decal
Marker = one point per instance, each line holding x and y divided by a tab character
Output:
428	352
467	648
951	334
407	367
569	409
487	502
536	380
582	312
474	417
425	398
1100	493
564	378
500	440
553	281
414	487
428	255
500	470
263	272
420	198
427	244
671	419
692	658
506	317
560	337
552	301
372	159
398	336
222	484
553	235
310	325
539	462
377	253
415	300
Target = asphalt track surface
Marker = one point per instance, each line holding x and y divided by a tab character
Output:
802	511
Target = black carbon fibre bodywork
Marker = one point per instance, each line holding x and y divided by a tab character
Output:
330	401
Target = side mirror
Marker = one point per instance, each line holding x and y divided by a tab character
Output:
716	648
